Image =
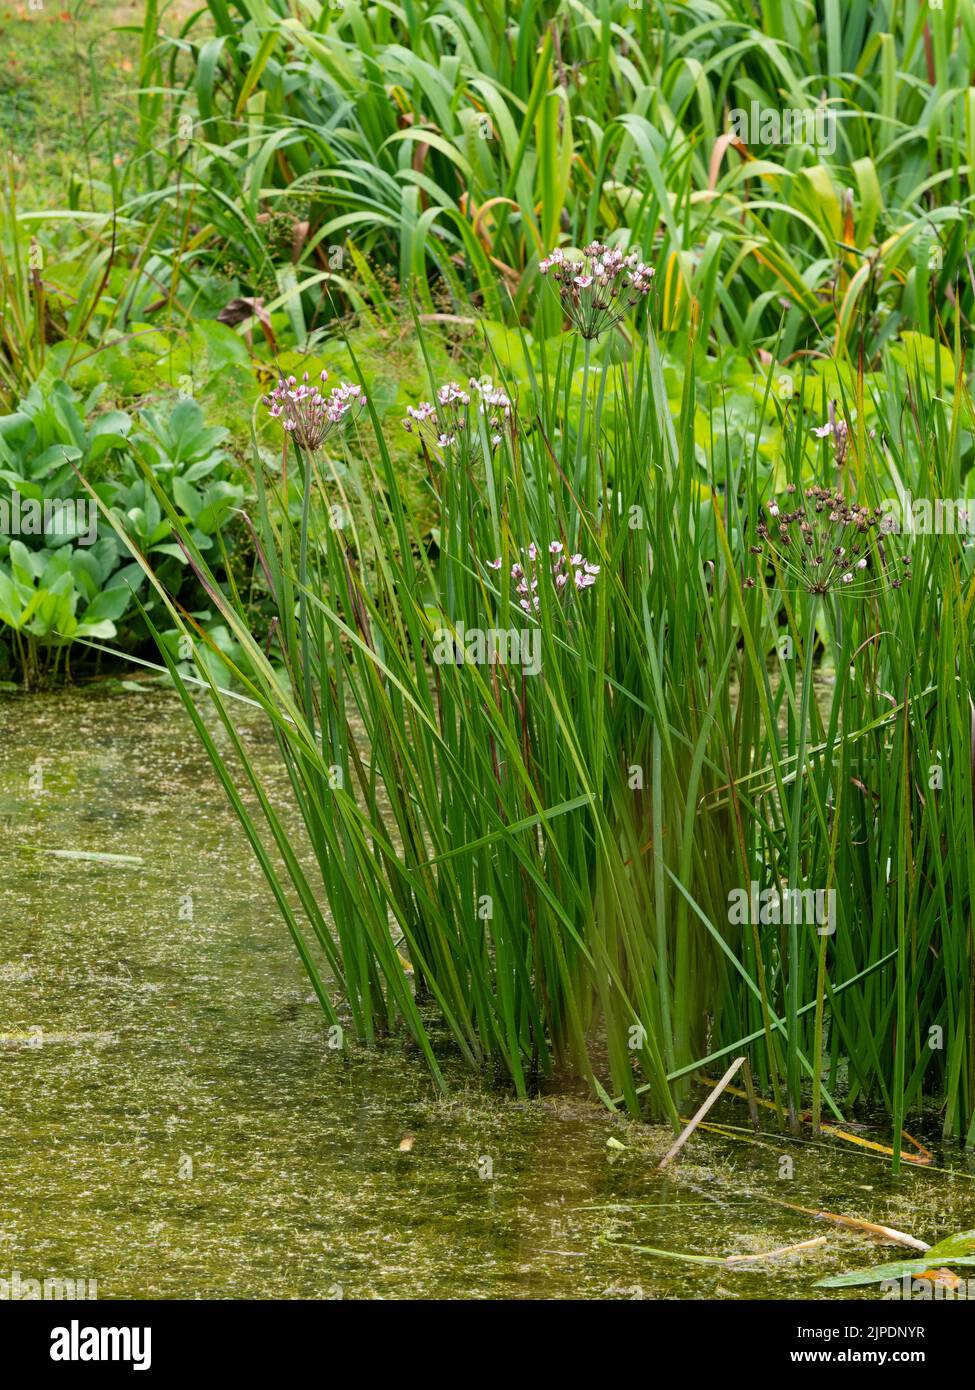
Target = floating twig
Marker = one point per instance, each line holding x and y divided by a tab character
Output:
782	1250
693	1123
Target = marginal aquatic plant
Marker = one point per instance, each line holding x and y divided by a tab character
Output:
307	414
839	431
547	877
825	544
569	573
596	291
827	547
454	423
599	289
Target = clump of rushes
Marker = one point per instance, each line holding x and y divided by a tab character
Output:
824	543
600	289
608	811
568	572
307	414
454	421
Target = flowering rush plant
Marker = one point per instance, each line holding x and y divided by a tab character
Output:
568	572
307	414
600	289
454	421
839	431
824	543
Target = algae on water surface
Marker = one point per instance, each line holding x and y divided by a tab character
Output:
174	1124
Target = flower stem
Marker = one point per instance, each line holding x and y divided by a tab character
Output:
303	589
581	430
795	833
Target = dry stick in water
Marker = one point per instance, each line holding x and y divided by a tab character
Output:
870	1227
782	1250
692	1125
855	1223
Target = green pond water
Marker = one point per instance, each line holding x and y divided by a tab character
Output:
173	1123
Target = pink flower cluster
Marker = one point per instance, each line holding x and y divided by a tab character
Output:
453	421
309	415
568	572
840	432
600	289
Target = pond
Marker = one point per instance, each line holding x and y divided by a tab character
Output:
174	1123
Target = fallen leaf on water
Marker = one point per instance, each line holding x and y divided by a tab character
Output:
879	1273
944	1277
